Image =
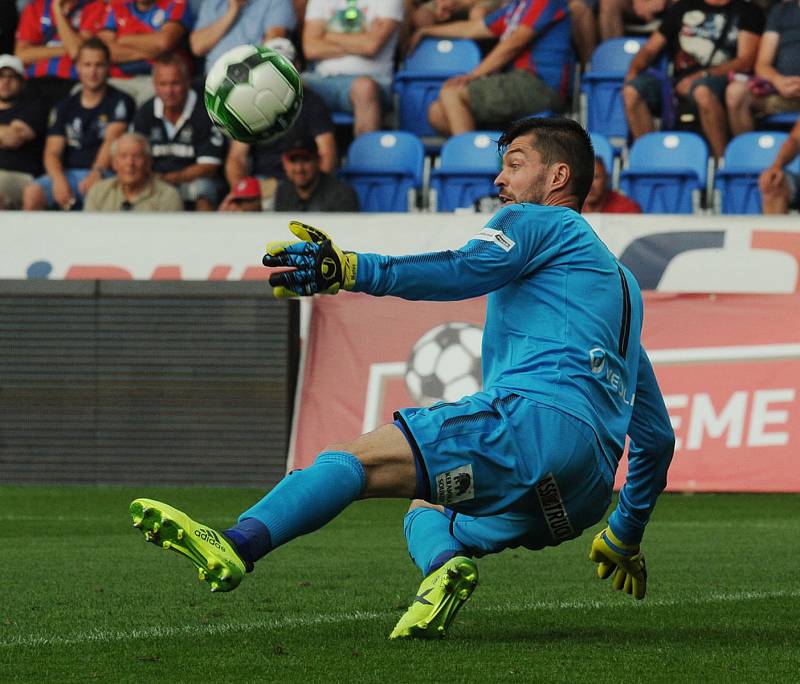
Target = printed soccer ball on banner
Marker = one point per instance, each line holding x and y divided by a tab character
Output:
253	94
445	364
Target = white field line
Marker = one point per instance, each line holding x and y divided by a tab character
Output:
276	624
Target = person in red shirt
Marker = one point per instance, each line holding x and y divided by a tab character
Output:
49	34
139	31
602	199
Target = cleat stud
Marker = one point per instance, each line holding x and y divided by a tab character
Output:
148	536
180	534
214	586
201	574
225	574
463	594
137	524
166	545
146	510
213	564
156	527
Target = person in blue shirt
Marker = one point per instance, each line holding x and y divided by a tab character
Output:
529	460
224	24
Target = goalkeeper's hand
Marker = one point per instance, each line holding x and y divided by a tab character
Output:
320	267
622	562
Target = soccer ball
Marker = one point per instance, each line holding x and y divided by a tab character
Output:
445	364
253	94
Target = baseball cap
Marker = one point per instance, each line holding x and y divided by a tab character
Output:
302	146
283	46
11	62
247	188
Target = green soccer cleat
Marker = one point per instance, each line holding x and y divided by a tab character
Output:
217	563
438	599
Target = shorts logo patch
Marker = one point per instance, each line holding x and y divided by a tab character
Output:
496	236
455	485
555	513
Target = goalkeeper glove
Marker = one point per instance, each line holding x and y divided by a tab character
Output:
624	561
320	267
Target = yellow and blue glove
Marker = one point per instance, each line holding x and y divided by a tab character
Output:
320	267
624	563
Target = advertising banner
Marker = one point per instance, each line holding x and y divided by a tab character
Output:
728	366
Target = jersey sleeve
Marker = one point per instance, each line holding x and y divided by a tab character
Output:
496	21
29	28
671	23
752	19
540	14
507	247
178	11
56	123
123	110
652	442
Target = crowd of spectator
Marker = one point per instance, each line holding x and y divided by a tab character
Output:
101	105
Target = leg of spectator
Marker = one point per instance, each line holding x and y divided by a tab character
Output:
365	95
739	102
438	118
455	102
774	197
640	120
712	119
610	18
584	30
33	198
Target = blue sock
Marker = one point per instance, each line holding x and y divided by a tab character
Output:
300	503
429	540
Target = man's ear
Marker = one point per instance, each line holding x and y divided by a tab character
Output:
561	176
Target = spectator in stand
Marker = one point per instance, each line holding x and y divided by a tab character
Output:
705	39
23	122
224	24
245	196
776	86
187	149
614	15
9	17
78	147
602	199
780	190
134	188
443	11
306	187
264	161
352	43
525	73
49	34
140	31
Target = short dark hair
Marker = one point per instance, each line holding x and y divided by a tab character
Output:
94	43
173	59
558	139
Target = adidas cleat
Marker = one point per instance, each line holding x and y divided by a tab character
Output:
217	563
438	599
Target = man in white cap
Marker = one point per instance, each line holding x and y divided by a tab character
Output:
22	129
264	161
224	24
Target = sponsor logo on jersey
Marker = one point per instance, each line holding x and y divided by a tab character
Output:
455	485
555	513
496	236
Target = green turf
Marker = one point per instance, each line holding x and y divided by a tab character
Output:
84	598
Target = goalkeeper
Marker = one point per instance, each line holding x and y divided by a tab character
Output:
530	460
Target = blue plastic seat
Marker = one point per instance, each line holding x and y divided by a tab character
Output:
782	121
385	169
746	156
469	163
419	79
604	150
666	171
602	85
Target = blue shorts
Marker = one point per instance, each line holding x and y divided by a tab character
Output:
74	177
335	90
510	471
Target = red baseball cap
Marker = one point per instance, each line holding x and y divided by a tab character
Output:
247	188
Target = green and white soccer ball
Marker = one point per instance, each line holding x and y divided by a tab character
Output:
253	94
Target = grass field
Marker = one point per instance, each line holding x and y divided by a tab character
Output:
83	598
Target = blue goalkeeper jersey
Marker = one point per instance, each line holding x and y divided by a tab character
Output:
563	318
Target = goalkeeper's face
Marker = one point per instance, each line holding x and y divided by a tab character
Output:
524	177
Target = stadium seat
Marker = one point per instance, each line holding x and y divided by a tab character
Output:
385	168
342	118
602	86
468	165
603	149
746	156
667	172
420	77
782	121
